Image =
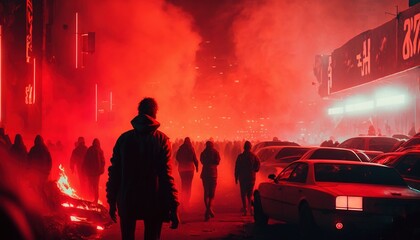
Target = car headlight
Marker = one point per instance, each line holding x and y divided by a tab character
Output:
349	203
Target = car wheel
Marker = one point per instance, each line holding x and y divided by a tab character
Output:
307	226
259	216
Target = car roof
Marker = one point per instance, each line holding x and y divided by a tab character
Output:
369	136
333	161
398	153
310	152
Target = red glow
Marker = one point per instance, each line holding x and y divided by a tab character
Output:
1	74
77	219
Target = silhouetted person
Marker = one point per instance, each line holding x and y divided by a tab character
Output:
187	164
210	158
371	131
19	152
247	164
40	161
5	142
76	160
93	167
140	181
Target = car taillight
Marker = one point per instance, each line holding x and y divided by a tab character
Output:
349	203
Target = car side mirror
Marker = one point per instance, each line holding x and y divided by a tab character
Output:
272	176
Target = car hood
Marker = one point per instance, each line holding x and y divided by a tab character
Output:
369	190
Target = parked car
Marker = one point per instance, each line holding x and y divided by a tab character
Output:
411	143
268	152
331	153
367	155
401	136
338	196
272	143
279	159
375	143
407	163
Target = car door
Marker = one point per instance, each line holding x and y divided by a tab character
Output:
276	209
409	168
293	191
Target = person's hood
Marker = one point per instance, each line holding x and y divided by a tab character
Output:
144	123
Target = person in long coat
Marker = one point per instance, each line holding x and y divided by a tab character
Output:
140	182
246	166
93	167
19	152
76	161
40	161
210	158
187	164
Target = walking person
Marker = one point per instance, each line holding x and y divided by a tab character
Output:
93	167
140	183
19	152
40	162
247	164
187	164
76	160
210	158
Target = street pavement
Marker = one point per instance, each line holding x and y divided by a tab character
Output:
192	226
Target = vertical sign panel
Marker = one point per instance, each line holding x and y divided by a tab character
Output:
29	29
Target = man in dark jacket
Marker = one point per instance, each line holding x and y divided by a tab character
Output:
140	182
247	164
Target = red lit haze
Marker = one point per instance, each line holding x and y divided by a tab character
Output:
149	49
241	71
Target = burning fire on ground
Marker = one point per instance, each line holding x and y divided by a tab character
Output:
84	217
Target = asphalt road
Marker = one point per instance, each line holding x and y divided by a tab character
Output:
193	226
234	226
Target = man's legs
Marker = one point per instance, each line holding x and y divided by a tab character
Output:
152	229
243	187
186	180
128	228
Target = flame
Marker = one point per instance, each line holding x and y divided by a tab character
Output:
77	219
82	206
64	185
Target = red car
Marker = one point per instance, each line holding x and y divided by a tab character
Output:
407	163
338	196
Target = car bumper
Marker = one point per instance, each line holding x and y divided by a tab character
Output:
351	220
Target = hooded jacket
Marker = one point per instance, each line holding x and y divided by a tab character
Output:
187	160
140	178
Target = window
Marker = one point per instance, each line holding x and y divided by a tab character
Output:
299	174
285	174
410	166
338	154
382	144
350	173
358	143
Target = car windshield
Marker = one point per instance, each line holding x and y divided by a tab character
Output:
382	144
266	153
351	173
287	152
338	154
